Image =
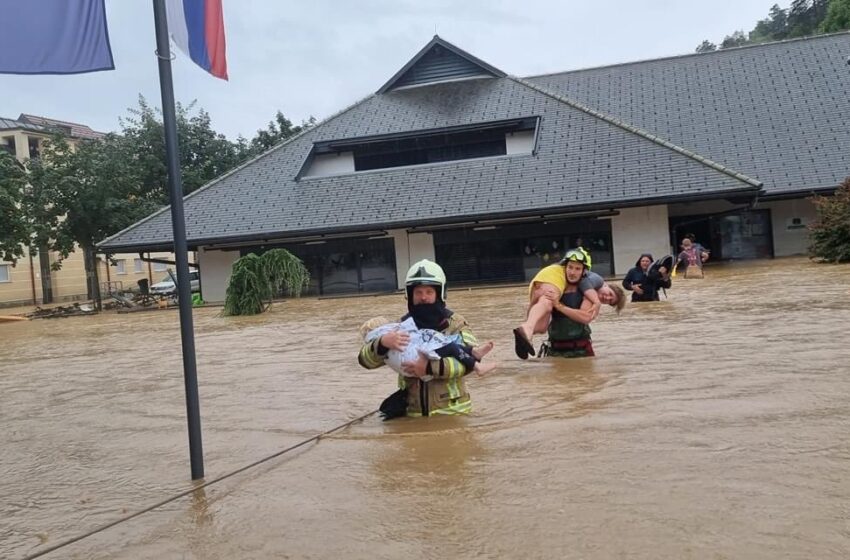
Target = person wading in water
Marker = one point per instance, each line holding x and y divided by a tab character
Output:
565	313
428	386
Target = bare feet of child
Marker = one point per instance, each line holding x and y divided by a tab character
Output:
483	369
480	351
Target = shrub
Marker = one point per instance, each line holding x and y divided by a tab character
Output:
830	233
255	280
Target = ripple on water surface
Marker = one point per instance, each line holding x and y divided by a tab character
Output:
712	424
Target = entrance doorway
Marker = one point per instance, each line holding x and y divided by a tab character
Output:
744	234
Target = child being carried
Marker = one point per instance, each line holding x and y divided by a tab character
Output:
432	344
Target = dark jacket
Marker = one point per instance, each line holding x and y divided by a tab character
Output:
651	283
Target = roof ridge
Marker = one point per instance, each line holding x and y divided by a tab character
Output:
640	132
55	120
237	168
678	56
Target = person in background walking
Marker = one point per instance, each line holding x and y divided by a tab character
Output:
646	280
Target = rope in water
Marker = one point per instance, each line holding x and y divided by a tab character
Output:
196	488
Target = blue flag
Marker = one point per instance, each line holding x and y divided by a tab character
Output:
54	37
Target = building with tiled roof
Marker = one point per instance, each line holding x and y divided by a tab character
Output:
69	129
494	176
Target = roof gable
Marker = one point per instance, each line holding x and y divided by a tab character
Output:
440	61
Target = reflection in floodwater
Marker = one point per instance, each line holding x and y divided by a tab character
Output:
711	425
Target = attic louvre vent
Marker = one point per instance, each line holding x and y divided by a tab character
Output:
437	65
440	61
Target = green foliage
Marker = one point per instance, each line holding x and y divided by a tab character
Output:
256	280
96	190
837	16
830	234
736	39
41	205
706	46
277	131
86	194
801	19
204	153
14	227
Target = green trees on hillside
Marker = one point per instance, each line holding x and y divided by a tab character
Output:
801	19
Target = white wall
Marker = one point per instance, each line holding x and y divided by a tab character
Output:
409	248
639	230
519	142
331	164
215	267
789	219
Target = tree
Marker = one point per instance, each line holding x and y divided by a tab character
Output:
98	190
706	46
772	28
778	27
255	280
14	227
736	39
277	131
801	18
818	10
830	234
43	215
837	16
204	153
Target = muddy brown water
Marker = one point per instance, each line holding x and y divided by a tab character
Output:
715	424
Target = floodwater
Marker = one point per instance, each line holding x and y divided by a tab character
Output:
714	424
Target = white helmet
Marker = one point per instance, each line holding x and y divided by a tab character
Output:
426	273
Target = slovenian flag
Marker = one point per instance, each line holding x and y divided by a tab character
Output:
197	27
50	37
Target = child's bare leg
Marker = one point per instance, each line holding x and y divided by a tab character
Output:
482	369
480	351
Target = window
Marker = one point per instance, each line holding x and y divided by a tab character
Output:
138	266
457	143
119	267
160	267
7	143
34	147
5	273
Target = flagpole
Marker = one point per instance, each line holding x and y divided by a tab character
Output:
181	251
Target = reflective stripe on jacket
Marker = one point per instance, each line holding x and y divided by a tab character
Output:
445	392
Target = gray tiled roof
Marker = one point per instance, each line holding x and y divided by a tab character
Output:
13	124
582	161
777	112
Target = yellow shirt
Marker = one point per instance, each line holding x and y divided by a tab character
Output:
554	274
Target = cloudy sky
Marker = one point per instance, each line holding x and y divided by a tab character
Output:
316	57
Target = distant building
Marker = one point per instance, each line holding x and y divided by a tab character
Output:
30	280
494	176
